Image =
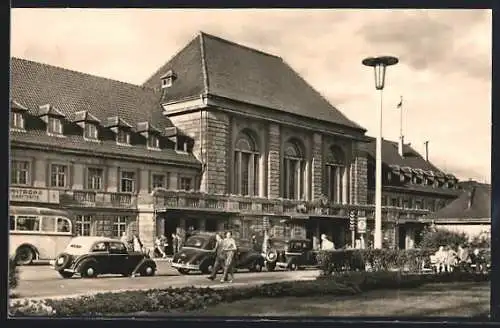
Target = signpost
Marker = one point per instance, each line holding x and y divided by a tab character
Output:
34	195
361	227
352	227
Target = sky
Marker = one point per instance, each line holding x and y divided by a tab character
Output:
444	73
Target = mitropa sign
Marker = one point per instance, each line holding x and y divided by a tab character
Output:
34	195
361	225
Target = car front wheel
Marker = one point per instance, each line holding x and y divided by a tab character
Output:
148	270
88	270
66	274
183	271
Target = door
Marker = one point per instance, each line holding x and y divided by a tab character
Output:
402	237
118	258
171	225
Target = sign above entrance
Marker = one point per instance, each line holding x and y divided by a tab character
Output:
361	225
33	195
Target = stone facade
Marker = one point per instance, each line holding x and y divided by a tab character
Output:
274	161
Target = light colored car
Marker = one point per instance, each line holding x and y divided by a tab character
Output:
91	256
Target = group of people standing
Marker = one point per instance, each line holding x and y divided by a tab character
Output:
161	244
132	241
447	259
225	257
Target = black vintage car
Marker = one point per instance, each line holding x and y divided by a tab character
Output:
92	256
198	254
296	254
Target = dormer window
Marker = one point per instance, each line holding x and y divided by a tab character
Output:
153	141
182	145
123	137
54	125
90	131
168	79
17	120
17	112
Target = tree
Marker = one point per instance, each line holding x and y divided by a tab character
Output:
433	238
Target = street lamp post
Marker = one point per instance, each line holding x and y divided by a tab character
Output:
379	65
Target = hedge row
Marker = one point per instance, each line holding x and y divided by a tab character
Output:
411	260
191	298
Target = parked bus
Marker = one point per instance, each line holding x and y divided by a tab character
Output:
38	233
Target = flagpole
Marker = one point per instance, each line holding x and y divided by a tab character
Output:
401	118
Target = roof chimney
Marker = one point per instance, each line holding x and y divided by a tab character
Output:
426	151
400	146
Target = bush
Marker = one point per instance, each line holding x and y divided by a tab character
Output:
13	273
191	298
372	259
433	238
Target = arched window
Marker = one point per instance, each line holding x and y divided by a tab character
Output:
294	170
246	165
336	176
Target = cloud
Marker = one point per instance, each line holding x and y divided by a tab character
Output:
431	40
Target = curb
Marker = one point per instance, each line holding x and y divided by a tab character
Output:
217	286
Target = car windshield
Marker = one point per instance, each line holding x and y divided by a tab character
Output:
196	242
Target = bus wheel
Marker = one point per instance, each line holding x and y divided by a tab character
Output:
25	255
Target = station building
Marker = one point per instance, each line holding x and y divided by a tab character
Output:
220	137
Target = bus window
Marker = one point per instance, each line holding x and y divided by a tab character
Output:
28	223
63	225
48	224
12	222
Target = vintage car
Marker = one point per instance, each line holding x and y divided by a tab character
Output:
274	247
198	254
92	256
295	255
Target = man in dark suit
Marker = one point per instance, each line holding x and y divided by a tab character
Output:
220	257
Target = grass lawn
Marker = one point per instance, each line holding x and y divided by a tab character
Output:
454	299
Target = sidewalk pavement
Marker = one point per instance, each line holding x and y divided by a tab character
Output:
305	277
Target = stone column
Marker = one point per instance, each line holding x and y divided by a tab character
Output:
39	173
273	163
317	166
146	221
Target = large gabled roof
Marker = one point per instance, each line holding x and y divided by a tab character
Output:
41	87
390	156
214	66
477	195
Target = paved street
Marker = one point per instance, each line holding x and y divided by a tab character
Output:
43	281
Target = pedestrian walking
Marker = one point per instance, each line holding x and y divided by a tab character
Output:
159	246
124	238
326	244
176	241
137	244
229	249
220	258
450	259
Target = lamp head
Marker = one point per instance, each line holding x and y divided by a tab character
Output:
379	64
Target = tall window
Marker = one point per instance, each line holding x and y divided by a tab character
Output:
19	172
153	141
58	175
95	178
90	131
54	125
123	137
186	184
83	225
294	165
127	181
16	120
158	181
246	166
336	176
119	226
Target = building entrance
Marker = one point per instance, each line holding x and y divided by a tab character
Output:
171	225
